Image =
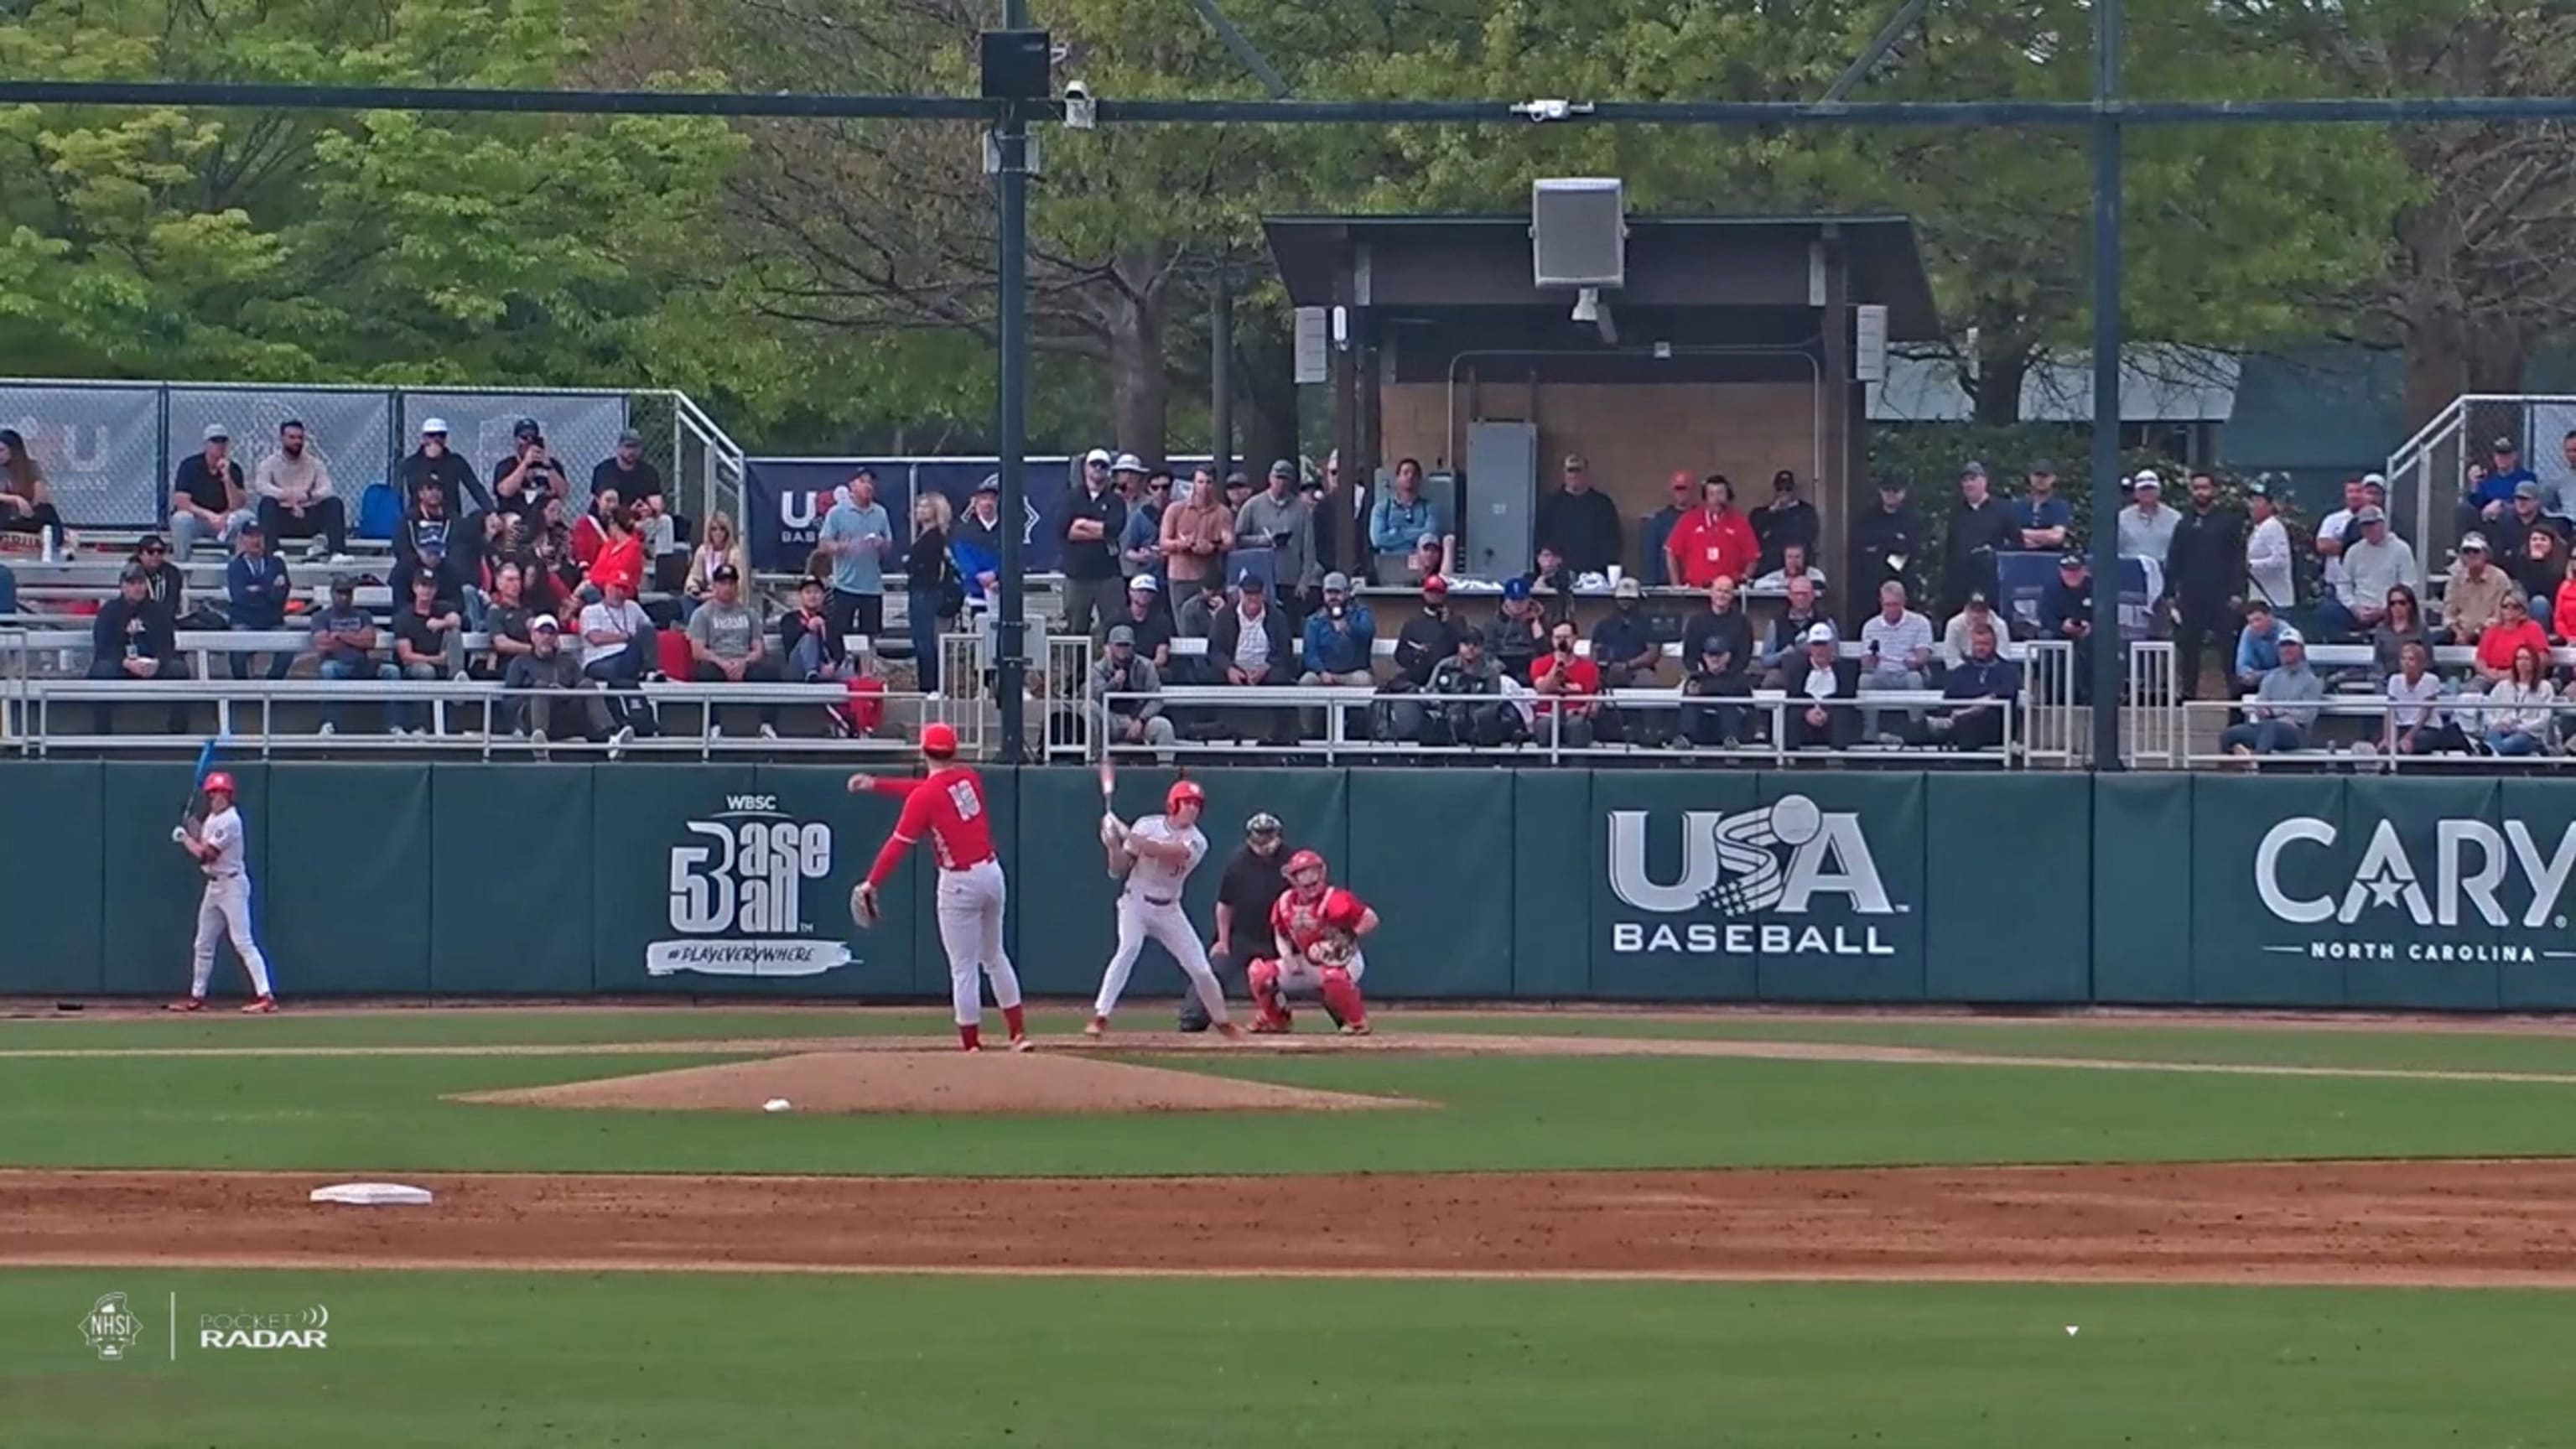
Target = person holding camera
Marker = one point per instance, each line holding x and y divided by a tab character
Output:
1281	518
534	467
1569	689
1518	634
1340	639
1468	707
1426	639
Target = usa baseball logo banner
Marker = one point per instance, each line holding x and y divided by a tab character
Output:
787	498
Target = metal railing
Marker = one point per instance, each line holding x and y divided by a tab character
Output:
2157	734
2451	739
1545	726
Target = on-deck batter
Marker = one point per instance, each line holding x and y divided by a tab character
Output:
948	806
1160	851
225	907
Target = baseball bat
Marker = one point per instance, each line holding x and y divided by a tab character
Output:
193	813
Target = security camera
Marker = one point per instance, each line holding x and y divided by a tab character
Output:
1081	112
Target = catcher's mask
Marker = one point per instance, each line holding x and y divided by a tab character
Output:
1305	870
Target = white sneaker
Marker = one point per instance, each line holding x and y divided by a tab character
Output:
327	729
715	732
769	732
313	550
537	742
618	742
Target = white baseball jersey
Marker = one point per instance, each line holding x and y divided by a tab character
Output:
1159	879
223	833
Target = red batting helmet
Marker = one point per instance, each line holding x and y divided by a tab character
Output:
1183	792
219	781
938	741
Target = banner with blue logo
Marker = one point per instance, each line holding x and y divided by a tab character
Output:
786	499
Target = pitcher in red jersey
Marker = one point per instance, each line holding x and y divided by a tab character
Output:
948	806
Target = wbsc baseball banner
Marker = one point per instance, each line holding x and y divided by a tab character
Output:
787	498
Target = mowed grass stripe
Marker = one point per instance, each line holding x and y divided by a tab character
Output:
505	1361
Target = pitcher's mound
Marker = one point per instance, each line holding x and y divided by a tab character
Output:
941	1081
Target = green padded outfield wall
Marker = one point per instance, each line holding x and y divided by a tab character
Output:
1676	884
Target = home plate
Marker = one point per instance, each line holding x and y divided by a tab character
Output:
373	1194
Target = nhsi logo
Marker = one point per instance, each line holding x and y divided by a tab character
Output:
738	887
1779	860
110	1328
2473	862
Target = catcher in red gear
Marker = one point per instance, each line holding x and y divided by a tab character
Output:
1318	926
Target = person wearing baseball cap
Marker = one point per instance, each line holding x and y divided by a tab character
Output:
1341	638
2066	612
532	711
1122	670
1787	521
2280	711
1622	644
1980	528
2474	598
1148	623
638	482
256	584
2269	568
2375	563
2147	526
2488	502
1887	542
1682	496
208	498
1818	675
1284	521
1580	522
131	637
433	465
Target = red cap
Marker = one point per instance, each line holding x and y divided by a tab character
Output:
1434	584
219	780
1683	479
1183	792
938	741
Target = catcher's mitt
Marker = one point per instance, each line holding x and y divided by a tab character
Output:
1335	949
864	910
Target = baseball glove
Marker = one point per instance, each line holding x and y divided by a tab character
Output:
1335	949
864	910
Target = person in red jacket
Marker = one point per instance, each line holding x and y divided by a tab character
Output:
947	805
1712	543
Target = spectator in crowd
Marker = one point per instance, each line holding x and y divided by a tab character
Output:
535	472
505	621
429	644
1426	639
2563	605
1238	490
2523	515
1788	522
1819	674
1140	543
166	587
1253	644
1400	516
255	582
1148	622
550	551
1279	519
1324	508
2258	646
2204	566
1579	521
858	536
1431	555
1887	544
933	593
2281	710
2373	564
2539	569
1196	619
432	465
1621	644
2491	497
2066	612
1958	634
1340	638
1717	650
617	650
1467	707
207	500
725	646
2401	622
1989	686
590	535
1518	634
2513	629
976	544
424	545
1569	690
1896	651
720	549
1088	529
2146	526
620	559
1980	528
2517	717
1655	534
133	639
1551	583
26	503
1786	634
1794	565
2417	725
813	651
2334	531
636	480
2531	546
2041	519
344	647
1713	541
2476	593
540	675
2270	575
1117	677
1197	531
295	497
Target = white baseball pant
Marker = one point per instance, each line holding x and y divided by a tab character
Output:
1165	922
1296	973
223	911
970	930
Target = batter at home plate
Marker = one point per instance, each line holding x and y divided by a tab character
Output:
1157	854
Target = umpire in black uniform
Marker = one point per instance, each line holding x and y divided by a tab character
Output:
1253	882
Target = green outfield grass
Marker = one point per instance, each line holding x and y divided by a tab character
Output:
445	1359
1495	1112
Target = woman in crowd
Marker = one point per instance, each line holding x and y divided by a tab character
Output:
2516	719
26	504
932	590
719	549
590	535
2513	630
2402	625
620	556
2417	725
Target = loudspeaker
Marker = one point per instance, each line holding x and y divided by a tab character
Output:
1016	64
1579	232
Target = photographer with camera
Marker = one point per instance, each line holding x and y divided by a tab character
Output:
1281	518
1340	639
1569	688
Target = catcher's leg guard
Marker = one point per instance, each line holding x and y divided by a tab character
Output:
1263	976
1342	997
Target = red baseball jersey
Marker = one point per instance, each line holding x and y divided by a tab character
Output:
1299	924
948	806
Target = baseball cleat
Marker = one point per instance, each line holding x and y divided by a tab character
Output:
1023	1044
261	1006
1356	1028
1097	1026
1270	1026
187	1003
1229	1031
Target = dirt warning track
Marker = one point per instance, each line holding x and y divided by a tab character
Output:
2462	1223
